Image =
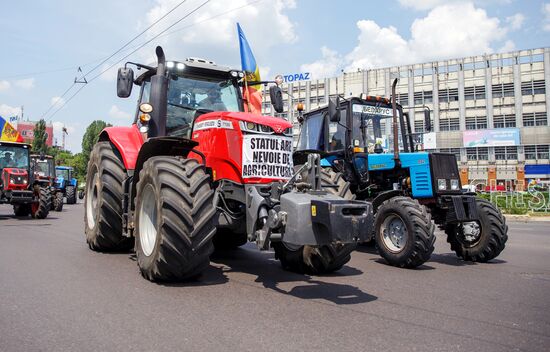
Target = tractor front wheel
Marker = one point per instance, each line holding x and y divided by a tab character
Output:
70	192
404	232
103	202
174	219
479	241
41	208
58	201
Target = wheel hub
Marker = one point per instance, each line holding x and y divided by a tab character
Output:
148	214
394	233
92	194
471	232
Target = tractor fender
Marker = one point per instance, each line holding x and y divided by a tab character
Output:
159	146
127	141
384	196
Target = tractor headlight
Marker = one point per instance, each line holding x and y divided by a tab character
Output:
454	185
252	127
441	184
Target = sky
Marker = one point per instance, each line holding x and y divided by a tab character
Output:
45	42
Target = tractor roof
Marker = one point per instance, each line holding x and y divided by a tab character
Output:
63	167
194	67
37	156
16	144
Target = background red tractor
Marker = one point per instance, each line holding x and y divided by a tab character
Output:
18	185
195	171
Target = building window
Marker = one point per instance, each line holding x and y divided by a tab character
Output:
481	153
476	122
535	119
504	121
502	90
506	153
533	87
455	151
403	99
474	93
448	95
530	152
542	152
421	98
419	126
449	124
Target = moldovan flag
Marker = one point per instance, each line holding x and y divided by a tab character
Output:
252	94
8	133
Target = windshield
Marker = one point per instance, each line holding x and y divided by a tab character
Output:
16	157
372	126
189	96
44	167
311	135
62	173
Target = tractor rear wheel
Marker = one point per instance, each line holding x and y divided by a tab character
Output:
479	241
103	202
318	259
58	201
404	232
22	209
174	219
41	208
70	192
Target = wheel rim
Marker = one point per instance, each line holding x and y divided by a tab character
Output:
92	199
148	213
394	233
470	233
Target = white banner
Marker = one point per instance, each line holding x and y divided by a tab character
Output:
267	156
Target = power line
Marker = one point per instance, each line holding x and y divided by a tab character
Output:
126	56
110	56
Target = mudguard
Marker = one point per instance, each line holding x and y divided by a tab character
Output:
128	142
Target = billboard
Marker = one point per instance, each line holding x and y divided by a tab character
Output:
491	138
26	129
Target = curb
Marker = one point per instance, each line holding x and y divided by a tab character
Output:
526	218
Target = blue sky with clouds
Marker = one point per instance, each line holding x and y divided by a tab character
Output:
287	36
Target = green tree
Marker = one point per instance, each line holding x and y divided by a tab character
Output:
40	137
90	138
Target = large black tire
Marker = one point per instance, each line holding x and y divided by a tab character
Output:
322	259
41	209
225	239
58	201
70	193
22	209
418	236
174	219
103	202
492	239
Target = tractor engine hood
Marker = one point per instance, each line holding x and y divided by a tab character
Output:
277	124
15	179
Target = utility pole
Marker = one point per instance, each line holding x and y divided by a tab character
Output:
64	132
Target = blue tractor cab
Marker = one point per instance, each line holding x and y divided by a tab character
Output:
66	182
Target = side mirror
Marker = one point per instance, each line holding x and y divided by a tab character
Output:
334	109
276	97
124	82
427	120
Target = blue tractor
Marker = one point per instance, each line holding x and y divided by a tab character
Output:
368	142
66	182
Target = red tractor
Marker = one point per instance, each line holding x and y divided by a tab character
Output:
195	171
44	172
17	184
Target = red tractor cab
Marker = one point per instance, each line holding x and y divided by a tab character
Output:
196	172
17	183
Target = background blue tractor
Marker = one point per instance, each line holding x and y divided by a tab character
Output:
66	182
368	142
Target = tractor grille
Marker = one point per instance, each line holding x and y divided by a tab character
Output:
444	166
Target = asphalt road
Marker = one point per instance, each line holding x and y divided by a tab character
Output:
57	295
